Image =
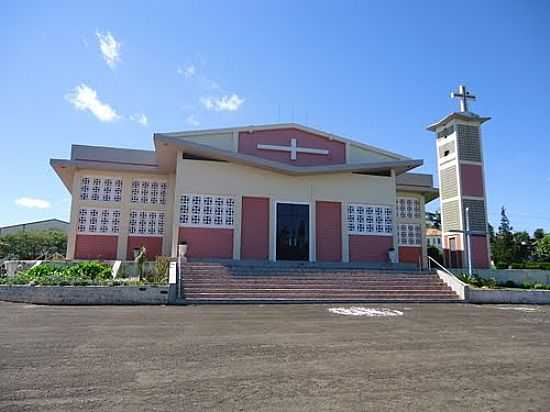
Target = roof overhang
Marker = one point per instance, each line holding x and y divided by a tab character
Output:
167	148
279	126
464	116
429	193
66	168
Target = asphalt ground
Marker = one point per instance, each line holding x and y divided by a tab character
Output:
433	357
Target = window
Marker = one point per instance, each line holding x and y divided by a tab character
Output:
409	235
370	220
149	192
207	211
106	189
100	221
146	223
408	208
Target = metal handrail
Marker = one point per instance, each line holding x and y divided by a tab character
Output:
431	259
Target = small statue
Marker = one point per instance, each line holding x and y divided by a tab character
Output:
140	261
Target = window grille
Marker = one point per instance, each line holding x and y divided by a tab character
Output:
100	221
105	189
207	211
369	220
410	234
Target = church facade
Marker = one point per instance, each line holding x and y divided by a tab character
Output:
280	192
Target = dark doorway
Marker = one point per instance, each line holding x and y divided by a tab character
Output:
292	231
454	254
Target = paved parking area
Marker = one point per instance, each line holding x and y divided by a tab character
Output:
274	357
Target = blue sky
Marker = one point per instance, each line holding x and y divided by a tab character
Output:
378	72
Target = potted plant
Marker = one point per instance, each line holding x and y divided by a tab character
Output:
392	255
182	250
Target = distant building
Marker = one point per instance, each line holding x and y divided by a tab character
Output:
433	237
34	226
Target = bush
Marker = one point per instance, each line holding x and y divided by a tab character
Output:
51	274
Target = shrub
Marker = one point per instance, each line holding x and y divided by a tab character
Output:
51	274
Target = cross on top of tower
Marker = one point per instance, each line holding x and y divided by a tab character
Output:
463	95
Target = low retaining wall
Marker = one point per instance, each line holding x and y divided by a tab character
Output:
471	294
518	276
86	295
530	296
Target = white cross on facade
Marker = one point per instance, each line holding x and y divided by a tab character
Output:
463	95
293	149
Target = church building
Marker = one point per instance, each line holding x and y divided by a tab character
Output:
282	192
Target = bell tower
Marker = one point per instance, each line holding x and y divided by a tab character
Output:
462	185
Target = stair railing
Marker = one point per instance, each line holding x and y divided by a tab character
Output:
443	268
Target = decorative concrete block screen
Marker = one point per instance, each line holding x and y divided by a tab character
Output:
207	211
94	220
369	220
149	192
107	189
146	223
410	234
408	207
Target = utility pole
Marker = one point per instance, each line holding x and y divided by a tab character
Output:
468	242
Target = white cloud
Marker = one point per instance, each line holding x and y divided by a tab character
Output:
192	120
84	97
110	48
225	103
188	71
31	202
140	118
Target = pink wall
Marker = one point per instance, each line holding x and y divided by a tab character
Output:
472	180
255	228
453	259
369	248
96	247
410	254
248	144
153	246
480	254
208	243
329	231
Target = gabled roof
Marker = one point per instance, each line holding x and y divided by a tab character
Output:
277	126
166	154
163	159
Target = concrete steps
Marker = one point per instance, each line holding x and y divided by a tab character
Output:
227	283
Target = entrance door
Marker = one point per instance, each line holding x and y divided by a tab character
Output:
292	231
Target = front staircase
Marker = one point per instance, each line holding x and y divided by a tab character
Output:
207	282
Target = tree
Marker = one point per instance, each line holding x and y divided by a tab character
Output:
33	245
542	248
538	234
522	246
435	254
433	219
504	247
